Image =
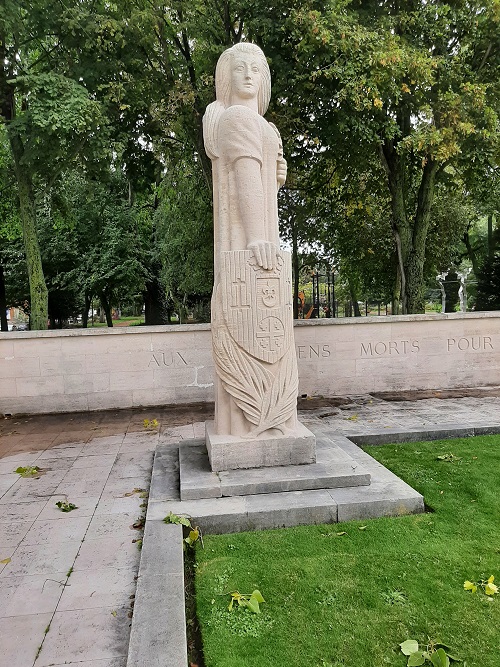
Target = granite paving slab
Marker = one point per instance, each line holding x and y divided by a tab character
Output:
85	634
21	637
21	595
107	587
106	552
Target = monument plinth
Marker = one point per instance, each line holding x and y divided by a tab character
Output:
252	316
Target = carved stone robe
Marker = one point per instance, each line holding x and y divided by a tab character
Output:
252	314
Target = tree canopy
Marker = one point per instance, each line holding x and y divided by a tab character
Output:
389	113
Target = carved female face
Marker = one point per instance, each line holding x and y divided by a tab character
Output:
245	76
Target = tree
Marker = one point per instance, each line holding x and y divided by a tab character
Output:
414	84
10	229
92	241
488	284
48	117
184	221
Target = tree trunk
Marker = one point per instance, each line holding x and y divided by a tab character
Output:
354	299
86	308
491	244
155	310
415	301
295	271
3	303
39	302
410	231
394	168
106	306
471	253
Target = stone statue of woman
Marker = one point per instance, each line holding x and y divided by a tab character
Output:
252	317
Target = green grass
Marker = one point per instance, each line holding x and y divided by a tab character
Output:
349	600
130	321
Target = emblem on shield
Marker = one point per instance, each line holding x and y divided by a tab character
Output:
257	304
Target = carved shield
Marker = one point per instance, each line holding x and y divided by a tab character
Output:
257	304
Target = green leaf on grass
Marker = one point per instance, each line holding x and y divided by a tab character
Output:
440	659
416	659
253	605
258	596
409	646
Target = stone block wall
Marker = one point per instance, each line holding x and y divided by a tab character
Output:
71	370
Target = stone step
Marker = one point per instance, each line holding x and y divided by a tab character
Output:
334	469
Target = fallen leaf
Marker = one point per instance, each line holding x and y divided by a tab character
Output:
5	561
342	533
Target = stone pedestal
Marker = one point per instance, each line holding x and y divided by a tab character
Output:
231	452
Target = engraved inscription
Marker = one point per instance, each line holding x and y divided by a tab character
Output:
159	359
392	347
313	351
469	343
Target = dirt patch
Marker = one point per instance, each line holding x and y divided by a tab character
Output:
418	395
316	402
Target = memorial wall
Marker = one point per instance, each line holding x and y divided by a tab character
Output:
71	370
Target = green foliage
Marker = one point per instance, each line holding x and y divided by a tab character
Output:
250	601
193	534
394	597
177	520
396	95
66	506
449	458
184	222
28	471
93	242
58	119
435	653
485	585
488	284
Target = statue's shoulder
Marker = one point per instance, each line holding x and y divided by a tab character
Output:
238	114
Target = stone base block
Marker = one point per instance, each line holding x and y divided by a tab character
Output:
229	452
334	468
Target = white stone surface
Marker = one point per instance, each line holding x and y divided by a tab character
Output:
335	357
252	318
231	452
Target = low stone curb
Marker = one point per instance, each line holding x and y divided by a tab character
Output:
158	634
383	436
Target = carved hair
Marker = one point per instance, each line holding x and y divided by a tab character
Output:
223	92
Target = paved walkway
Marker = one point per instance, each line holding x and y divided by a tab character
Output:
67	580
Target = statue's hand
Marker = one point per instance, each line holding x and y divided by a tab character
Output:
281	170
265	253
